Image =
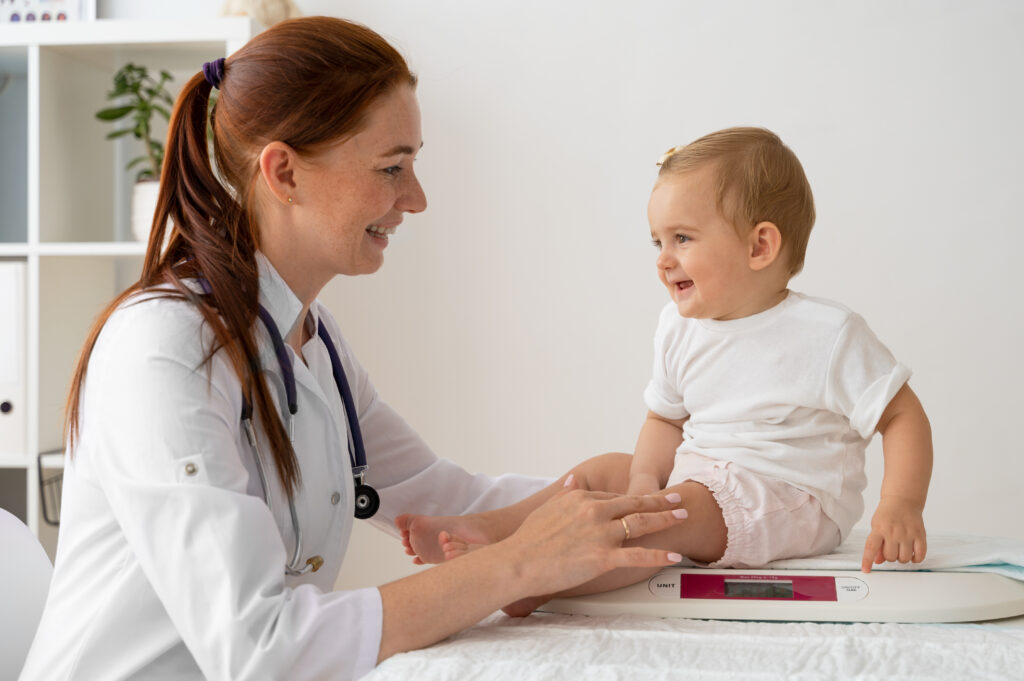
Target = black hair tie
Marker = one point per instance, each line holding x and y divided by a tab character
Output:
213	71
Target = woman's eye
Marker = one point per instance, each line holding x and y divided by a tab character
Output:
392	171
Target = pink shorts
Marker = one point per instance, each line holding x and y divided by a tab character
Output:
766	519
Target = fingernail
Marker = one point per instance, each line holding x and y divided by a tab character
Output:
568	480
674	497
680	513
675	557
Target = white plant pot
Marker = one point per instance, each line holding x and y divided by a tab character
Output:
144	195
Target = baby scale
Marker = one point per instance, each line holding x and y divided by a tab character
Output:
808	596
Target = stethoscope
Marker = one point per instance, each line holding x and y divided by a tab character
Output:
367	501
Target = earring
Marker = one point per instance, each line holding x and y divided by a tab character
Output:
290	200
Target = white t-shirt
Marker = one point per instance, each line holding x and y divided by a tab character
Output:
794	393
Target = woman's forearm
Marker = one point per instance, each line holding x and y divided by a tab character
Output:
433	604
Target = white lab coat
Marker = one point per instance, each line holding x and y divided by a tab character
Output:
169	563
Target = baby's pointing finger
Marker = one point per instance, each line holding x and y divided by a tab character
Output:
920	549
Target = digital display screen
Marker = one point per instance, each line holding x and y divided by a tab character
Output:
743	588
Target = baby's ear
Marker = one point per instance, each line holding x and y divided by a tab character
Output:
765	245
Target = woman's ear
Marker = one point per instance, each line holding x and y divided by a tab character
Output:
765	245
277	166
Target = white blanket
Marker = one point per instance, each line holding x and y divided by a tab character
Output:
960	552
545	647
551	647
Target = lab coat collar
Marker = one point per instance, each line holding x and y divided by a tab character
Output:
284	306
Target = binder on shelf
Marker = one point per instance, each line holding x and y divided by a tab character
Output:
13	374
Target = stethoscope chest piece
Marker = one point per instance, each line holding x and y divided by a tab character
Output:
367	501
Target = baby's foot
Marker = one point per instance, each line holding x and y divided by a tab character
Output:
421	535
453	547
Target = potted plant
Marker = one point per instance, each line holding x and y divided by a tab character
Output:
138	96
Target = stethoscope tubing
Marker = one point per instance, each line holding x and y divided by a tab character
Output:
367	501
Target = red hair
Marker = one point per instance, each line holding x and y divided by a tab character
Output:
308	82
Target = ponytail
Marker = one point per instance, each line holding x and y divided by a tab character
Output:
307	82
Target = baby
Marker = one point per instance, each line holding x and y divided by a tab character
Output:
762	399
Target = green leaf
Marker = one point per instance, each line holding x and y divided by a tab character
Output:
114	113
136	161
140	96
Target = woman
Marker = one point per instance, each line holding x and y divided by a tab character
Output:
177	527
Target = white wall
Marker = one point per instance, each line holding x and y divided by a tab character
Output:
511	322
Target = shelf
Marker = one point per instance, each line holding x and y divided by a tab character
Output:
23	461
19	250
65	197
99	248
94	248
106	32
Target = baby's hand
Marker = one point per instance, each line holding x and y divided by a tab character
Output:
897	533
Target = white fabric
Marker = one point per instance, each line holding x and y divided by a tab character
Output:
170	564
545	647
793	393
24	580
946	551
551	647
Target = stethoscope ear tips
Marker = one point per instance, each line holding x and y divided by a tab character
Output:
367	502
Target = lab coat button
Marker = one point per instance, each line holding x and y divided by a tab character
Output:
335	498
190	469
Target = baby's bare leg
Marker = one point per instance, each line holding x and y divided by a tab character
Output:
701	537
606	473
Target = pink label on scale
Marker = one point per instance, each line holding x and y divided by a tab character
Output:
757	587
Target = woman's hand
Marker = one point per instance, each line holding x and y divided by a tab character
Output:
577	536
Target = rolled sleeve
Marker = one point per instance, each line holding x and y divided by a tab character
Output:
863	376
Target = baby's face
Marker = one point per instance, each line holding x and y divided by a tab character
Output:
702	260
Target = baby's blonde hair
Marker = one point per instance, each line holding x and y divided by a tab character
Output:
757	179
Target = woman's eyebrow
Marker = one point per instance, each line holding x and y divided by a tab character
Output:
400	149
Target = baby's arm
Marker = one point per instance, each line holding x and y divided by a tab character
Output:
655	454
897	527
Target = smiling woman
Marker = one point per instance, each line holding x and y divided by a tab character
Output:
173	528
332	213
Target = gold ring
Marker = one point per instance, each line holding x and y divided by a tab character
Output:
625	526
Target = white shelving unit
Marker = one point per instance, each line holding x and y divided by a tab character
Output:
64	202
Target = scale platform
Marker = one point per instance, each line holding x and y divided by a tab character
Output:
808	596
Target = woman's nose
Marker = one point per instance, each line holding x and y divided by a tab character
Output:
413	199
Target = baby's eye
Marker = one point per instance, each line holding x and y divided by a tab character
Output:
682	238
656	244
